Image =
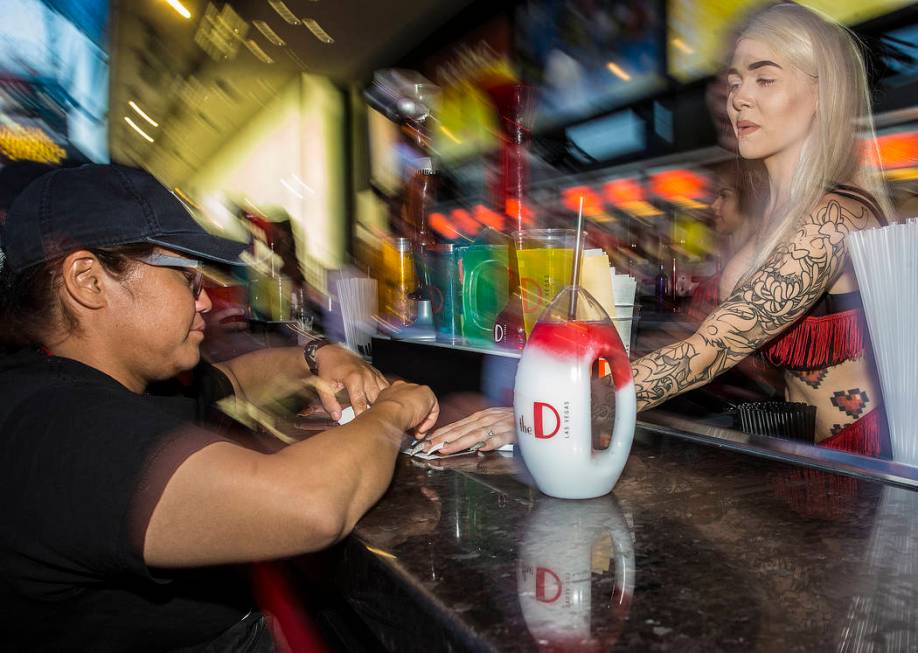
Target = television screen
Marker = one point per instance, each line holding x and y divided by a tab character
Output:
588	56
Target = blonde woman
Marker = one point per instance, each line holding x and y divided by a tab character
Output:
798	103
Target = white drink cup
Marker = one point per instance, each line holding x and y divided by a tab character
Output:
552	406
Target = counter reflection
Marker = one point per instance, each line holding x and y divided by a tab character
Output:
576	560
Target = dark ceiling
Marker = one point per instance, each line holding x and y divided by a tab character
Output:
204	77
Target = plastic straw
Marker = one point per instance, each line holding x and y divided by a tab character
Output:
886	263
575	272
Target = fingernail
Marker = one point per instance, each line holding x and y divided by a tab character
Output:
336	415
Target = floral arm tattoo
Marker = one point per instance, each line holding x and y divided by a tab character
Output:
793	278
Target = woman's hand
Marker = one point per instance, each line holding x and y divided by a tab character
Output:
341	368
492	428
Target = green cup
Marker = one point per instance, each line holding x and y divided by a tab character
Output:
484	276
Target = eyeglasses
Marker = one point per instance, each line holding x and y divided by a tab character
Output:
193	270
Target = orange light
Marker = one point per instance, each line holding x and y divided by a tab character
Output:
592	202
440	223
465	222
678	184
618	71
518	210
899	150
641	209
623	191
487	217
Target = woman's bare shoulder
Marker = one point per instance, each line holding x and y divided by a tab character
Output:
838	214
857	208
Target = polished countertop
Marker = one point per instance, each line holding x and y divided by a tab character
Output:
697	548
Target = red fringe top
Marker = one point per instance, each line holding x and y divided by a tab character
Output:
834	330
817	342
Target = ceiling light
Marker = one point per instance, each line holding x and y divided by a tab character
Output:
679	43
257	50
247	200
137	129
450	135
180	9
317	30
220	32
296	59
268	33
302	183
284	11
183	196
140	112
618	71
291	188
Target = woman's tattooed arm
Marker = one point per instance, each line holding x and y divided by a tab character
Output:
795	276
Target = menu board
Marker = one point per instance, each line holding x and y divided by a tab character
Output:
698	30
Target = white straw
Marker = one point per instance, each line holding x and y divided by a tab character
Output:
887	272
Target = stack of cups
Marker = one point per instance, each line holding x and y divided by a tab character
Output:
358	300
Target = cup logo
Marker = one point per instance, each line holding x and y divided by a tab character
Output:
538	418
548	585
499	332
437	301
531	293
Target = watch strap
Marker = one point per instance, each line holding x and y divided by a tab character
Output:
310	352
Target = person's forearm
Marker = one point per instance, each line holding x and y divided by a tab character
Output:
356	466
677	368
266	374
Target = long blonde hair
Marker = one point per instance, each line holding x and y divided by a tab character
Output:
842	134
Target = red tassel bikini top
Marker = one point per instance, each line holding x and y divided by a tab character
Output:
833	330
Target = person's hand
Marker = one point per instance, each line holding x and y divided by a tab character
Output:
418	407
492	428
341	368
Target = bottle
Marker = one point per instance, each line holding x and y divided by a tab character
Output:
660	286
552	400
421	196
397	281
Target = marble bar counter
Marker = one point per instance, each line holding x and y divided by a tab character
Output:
698	548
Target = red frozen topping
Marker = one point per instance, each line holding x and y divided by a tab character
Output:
585	342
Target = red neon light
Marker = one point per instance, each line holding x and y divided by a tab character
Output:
465	222
440	223
623	191
592	202
517	209
899	150
487	217
681	183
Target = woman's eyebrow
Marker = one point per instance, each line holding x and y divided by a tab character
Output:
754	66
761	64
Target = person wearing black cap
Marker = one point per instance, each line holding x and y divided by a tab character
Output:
112	499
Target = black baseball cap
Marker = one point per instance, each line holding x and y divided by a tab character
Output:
96	206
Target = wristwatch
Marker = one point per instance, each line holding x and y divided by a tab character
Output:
310	352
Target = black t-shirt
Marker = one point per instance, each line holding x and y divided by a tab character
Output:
83	462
